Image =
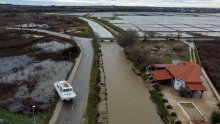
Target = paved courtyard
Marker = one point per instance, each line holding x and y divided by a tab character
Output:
206	105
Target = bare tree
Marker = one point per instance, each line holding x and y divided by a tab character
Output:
179	34
146	36
96	36
127	38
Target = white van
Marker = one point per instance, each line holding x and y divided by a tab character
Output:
65	90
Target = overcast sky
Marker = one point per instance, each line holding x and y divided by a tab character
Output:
165	3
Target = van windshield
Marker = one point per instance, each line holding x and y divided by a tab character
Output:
67	90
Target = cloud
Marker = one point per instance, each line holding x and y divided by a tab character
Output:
166	3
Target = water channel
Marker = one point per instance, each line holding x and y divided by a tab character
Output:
128	98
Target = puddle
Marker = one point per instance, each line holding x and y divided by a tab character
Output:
25	82
52	46
33	35
36	84
13	64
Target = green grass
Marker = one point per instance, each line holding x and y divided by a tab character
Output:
192	55
197	57
12	118
51	110
91	109
187	56
107	23
88	33
158	100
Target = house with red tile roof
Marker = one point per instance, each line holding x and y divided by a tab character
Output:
183	75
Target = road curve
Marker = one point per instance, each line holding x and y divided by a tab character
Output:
72	112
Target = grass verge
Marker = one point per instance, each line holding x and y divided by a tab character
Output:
91	109
106	23
187	56
158	100
197	57
12	118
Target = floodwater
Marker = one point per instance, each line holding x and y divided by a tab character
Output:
34	78
52	46
98	29
128	97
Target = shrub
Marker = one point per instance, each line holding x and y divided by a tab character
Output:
178	47
127	38
178	122
165	100
215	117
145	76
169	107
218	105
173	114
160	94
160	105
157	87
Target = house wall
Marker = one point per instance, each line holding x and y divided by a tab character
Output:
178	84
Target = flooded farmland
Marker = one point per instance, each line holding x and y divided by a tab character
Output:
27	76
128	98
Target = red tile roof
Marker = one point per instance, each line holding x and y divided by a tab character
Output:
195	86
161	75
160	65
186	71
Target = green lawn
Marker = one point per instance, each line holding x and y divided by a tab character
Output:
12	118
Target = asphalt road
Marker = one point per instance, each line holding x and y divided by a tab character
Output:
73	112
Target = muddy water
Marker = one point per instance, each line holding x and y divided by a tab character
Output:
128	98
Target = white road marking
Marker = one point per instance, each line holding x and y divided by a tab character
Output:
72	106
77	89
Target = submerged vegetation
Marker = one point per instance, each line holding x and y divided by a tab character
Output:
28	66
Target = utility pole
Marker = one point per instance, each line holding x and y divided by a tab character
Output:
70	56
33	113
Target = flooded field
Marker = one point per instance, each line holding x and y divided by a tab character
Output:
128	98
167	22
26	78
204	24
101	31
